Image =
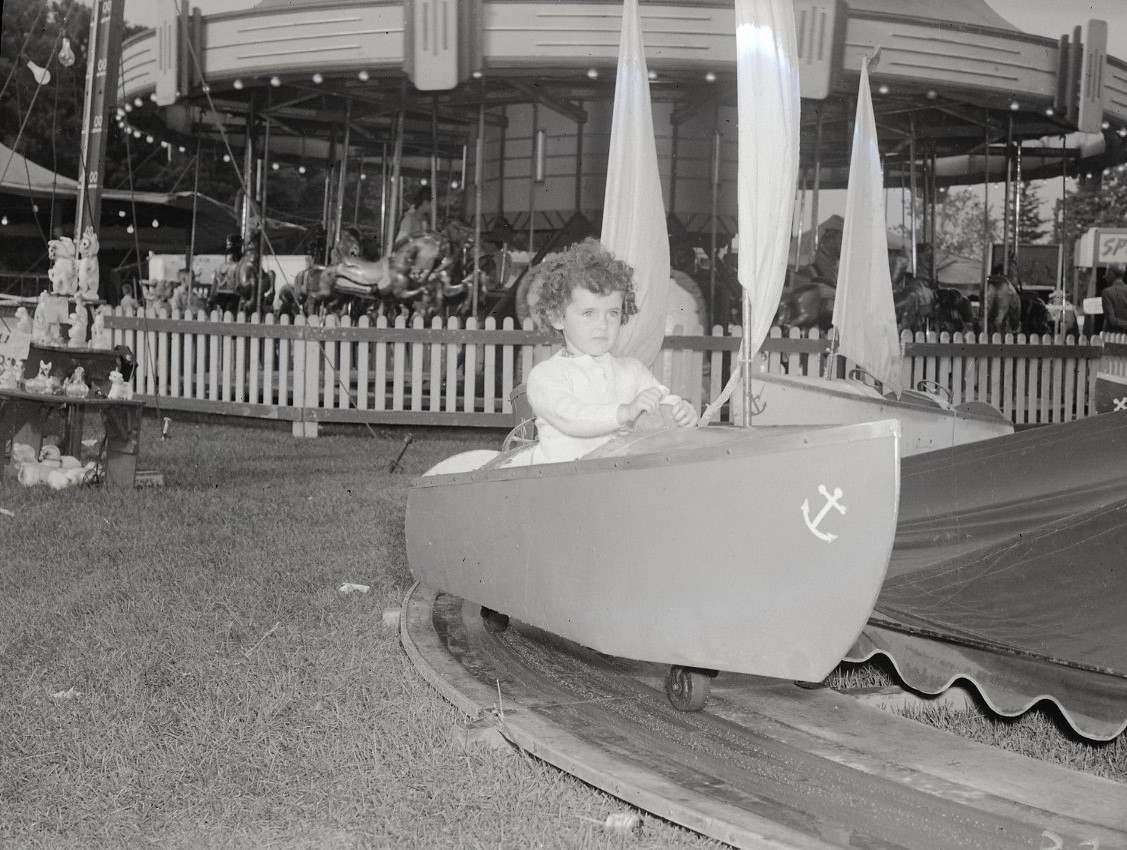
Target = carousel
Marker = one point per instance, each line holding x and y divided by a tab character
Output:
501	112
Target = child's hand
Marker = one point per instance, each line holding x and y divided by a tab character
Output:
684	414
645	402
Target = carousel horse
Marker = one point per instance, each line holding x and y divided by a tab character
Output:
806	304
1003	306
913	299
953	312
1036	318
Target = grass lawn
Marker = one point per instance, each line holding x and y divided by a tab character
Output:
177	667
224	692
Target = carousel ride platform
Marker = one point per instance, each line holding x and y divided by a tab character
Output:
766	764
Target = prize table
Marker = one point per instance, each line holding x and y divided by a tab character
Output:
27	418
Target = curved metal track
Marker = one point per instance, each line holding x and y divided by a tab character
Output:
766	764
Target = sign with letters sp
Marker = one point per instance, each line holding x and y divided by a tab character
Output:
1111	247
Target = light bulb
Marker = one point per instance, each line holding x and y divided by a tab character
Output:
710	77
238	84
275	81
156	223
121	213
301	169
882	89
274	166
364	76
593	73
4	220
149	139
318	79
129	229
363	176
138	102
226	157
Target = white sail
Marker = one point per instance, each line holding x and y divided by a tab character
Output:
864	315
769	105
634	228
769	111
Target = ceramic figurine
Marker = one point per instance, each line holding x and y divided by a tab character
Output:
23	320
41	383
88	266
118	388
63	272
39	332
75	386
9	374
77	333
100	335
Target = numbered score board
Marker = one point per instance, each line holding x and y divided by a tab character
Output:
1102	246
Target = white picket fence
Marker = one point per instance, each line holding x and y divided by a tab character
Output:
332	370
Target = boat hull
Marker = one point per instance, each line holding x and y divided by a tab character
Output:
1110	394
715	548
924	426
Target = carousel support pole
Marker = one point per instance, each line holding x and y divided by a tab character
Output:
327	200
259	272
501	166
675	143
815	233
462	180
1017	205
360	181
1007	230
713	229
479	153
801	219
986	235
579	165
383	200
248	173
342	174
449	185
396	189
532	160
434	166
934	277
195	207
913	188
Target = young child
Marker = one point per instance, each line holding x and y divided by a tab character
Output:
584	395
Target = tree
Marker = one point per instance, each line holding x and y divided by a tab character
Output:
1097	202
960	229
1030	222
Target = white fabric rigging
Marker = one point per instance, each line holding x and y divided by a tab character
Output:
769	109
634	228
864	313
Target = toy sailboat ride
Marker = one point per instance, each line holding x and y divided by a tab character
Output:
754	550
866	333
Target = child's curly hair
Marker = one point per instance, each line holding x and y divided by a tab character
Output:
587	264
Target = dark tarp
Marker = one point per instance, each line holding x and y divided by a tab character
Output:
1010	571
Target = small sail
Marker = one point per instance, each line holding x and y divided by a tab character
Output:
634	228
769	103
769	110
864	315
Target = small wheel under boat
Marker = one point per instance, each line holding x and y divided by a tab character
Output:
688	687
494	621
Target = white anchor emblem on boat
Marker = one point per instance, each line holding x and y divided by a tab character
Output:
1120	404
832	501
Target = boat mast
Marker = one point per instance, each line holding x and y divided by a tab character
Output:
102	75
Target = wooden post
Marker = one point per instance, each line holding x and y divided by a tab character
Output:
712	237
262	220
102	78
